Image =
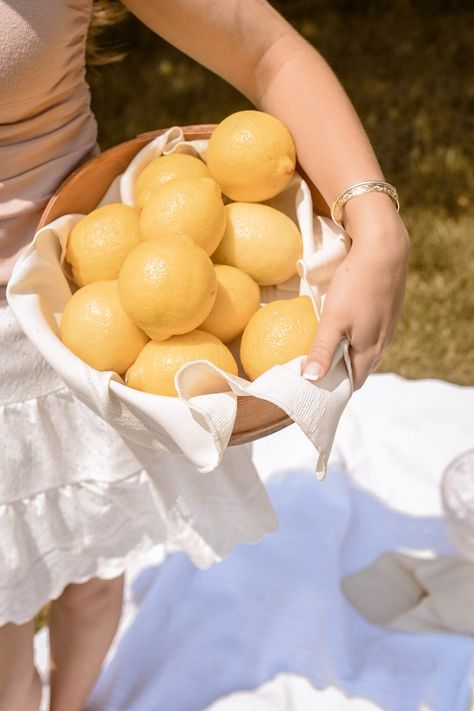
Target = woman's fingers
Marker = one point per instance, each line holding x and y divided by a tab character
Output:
364	359
323	349
363	364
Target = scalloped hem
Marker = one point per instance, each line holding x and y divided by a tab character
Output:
104	569
94	529
76	532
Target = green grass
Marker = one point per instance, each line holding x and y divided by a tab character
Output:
435	337
405	67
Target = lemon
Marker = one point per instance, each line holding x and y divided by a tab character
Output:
157	364
99	243
186	206
262	241
238	297
252	156
165	168
277	333
168	286
97	329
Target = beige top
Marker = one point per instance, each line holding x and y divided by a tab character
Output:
46	125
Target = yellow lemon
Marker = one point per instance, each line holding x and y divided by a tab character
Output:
96	328
165	168
186	206
262	241
277	333
99	243
157	364
238	297
252	156
168	286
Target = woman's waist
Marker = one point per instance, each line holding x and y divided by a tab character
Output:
25	193
40	143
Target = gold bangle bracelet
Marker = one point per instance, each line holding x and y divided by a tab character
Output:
367	186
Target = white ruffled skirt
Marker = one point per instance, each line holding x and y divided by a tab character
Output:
76	502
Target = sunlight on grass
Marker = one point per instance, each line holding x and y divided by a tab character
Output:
435	338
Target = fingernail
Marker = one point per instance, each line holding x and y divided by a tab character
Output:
312	371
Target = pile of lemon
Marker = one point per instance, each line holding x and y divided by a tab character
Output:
178	276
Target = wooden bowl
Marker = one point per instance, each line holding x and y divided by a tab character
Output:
84	189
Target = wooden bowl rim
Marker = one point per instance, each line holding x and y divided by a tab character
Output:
243	435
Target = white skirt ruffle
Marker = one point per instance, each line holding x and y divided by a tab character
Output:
76	502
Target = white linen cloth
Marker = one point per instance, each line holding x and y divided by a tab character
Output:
291	692
199	423
415	595
270	625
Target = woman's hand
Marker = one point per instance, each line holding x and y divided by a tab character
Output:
365	297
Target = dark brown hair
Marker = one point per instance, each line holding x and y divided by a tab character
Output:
100	49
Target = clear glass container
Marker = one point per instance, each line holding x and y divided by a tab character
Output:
457	494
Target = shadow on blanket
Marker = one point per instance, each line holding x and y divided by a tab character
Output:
277	607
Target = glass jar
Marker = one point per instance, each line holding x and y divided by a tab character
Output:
457	495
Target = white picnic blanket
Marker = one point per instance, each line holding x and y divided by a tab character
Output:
269	629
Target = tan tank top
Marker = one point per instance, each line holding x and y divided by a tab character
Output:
46	125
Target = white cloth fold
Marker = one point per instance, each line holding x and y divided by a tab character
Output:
199	423
414	594
291	692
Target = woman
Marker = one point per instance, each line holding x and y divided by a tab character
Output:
46	130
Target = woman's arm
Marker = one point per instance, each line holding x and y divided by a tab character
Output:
251	46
